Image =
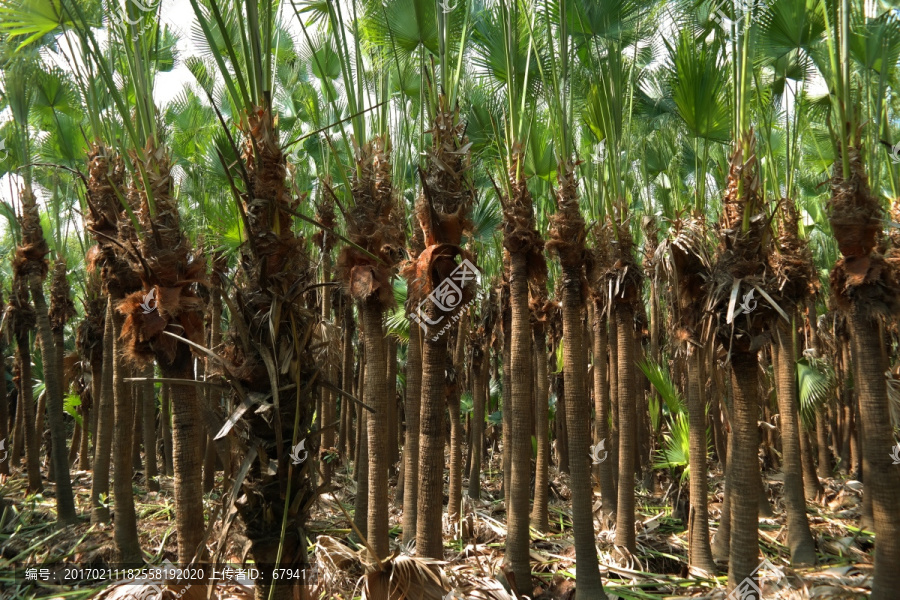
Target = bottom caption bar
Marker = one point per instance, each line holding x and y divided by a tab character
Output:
166	574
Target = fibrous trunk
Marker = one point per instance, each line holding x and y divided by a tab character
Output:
540	518
411	447
625	506
700	551
520	381
376	396
881	478
604	470
578	417
745	476
105	407
800	541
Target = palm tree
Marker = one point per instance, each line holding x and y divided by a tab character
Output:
170	267
865	286
442	213
567	235
687	265
365	269
31	268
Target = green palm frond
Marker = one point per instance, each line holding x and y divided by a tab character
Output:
815	382
674	454
661	381
698	78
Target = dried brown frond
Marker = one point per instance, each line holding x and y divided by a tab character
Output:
684	258
442	210
373	224
406	577
20	312
447	197
324	239
854	212
567	229
267	202
31	254
61	306
625	274
791	259
89	334
168	267
600	261
519	233
871	282
741	267
106	191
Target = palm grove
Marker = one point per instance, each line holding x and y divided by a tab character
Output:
682	214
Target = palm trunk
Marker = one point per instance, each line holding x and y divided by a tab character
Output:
613	443
454	493
700	551
603	471
376	396
391	447
800	541
429	541
506	413
148	427
188	428
84	450
4	403
26	406
126	536
578	418
540	518
456	430
744	548
166	421
361	471
105	418
812	487
76	443
411	447
627	438
721	544
881	478
18	442
137	401
65	499
344	438
480	365
520	379
328	398
824	468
